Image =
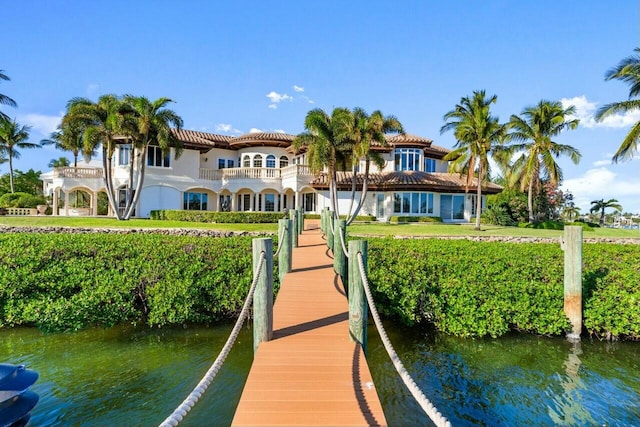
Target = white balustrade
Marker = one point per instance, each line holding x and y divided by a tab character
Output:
71	172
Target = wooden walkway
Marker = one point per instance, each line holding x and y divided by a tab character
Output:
310	374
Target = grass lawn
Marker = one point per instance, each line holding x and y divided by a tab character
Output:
430	229
59	221
373	229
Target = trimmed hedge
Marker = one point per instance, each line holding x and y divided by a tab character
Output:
21	200
359	218
556	225
405	219
469	288
70	281
217	217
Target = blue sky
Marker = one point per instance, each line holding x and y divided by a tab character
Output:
233	67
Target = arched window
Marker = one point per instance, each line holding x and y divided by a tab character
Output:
257	161
271	161
284	161
246	161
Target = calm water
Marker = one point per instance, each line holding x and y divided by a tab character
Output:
136	377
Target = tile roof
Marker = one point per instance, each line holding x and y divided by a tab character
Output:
253	139
407	180
202	140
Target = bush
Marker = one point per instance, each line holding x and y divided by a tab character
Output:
554	225
497	215
406	219
21	200
70	281
471	288
217	217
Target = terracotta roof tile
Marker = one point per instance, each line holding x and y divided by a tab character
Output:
407	180
202	139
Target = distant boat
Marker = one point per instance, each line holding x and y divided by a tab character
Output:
16	400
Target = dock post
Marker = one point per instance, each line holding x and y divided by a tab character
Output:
325	217
329	227
358	312
284	257
339	257
300	220
293	215
263	295
572	247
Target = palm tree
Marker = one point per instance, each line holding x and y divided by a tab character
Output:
324	148
70	137
12	137
360	131
60	162
4	99
601	205
105	123
476	132
570	212
533	133
152	125
628	71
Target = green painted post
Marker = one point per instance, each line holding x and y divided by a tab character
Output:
339	257
326	219
329	227
300	220
263	295
358	310
572	247
284	257
293	215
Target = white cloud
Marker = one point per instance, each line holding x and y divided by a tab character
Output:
276	98
255	130
309	100
226	127
92	89
600	183
599	163
279	131
41	123
585	110
298	88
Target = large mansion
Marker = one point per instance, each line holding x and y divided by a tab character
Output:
260	172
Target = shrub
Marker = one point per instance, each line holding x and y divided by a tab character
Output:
21	200
217	217
471	288
497	215
405	219
70	281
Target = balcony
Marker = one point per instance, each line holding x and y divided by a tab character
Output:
230	174
71	172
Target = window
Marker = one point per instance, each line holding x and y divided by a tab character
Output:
257	161
124	154
246	161
271	161
429	165
413	203
221	163
156	158
194	201
451	206
284	161
246	202
407	159
225	203
229	163
270	202
474	197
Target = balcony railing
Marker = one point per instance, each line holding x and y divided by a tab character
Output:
254	173
71	172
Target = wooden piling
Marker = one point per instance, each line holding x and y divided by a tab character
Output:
263	295
572	247
293	215
339	257
358	309
300	220
286	251
329	226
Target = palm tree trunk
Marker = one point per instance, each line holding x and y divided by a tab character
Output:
601	222
479	195
353	188
11	170
530	201
363	194
138	189
106	164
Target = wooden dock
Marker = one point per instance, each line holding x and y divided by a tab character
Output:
311	373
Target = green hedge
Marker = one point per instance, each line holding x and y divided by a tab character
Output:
556	225
217	217
21	200
359	218
404	219
70	281
471	288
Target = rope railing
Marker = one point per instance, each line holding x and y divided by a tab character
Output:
187	404
280	240
438	419
344	248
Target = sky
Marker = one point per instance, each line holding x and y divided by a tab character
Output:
239	66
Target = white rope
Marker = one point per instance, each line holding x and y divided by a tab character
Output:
280	240
181	411
438	419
